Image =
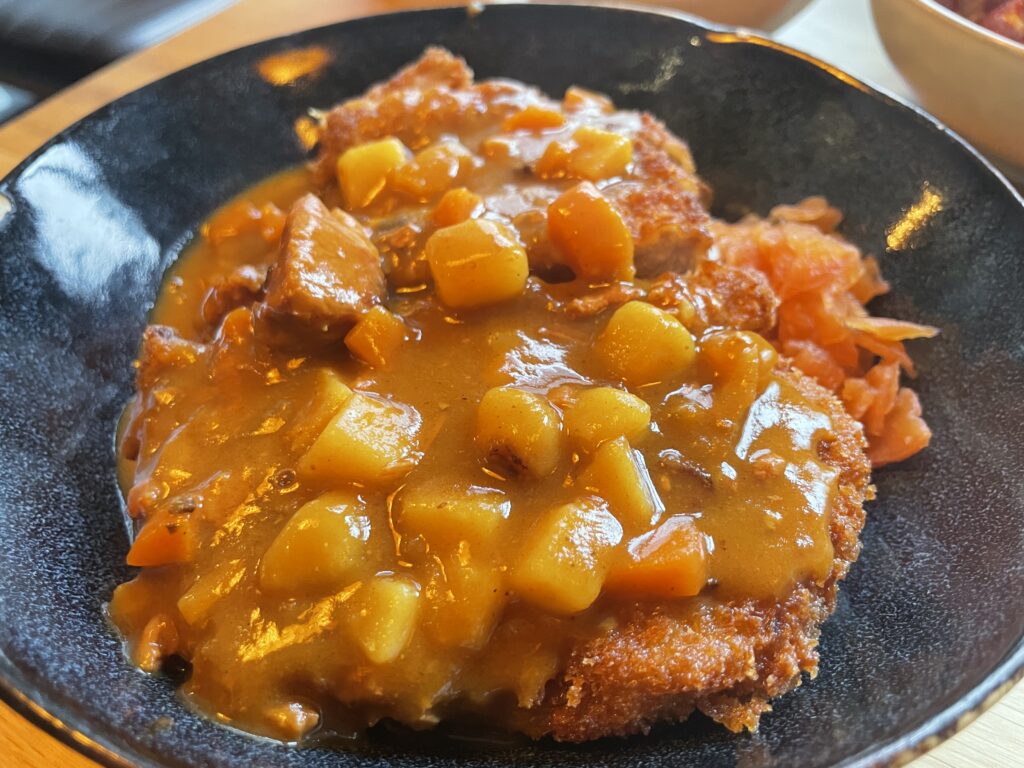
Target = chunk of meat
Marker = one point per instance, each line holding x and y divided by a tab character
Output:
163	349
727	659
241	286
328	273
596	302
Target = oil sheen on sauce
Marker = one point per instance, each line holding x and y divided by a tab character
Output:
732	446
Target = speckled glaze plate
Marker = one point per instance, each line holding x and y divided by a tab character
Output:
930	624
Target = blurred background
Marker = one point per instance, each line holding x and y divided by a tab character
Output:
963	60
46	45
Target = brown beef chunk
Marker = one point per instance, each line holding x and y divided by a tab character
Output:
328	272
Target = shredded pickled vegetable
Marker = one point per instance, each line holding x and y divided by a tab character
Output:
823	284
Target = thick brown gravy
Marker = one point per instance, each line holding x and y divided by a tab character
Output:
731	448
463	427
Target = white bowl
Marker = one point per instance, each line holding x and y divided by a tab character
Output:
970	78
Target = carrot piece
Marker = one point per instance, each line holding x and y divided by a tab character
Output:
533	118
670	561
163	540
455	206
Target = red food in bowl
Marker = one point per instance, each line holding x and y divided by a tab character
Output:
1004	17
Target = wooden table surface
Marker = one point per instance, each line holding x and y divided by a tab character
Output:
838	30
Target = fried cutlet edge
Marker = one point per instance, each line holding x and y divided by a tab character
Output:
727	660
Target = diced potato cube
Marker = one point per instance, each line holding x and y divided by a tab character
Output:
329	394
591	235
534	118
643	344
500	148
320	548
164	539
363	170
604	413
291	720
369	441
520	430
376	337
670	561
466	613
739	365
566	557
384	616
433	170
476	263
599	154
618	474
197	603
591	154
456	206
446	513
738	356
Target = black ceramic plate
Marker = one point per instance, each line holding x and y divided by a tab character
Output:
930	624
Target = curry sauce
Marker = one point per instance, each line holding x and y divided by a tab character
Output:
416	425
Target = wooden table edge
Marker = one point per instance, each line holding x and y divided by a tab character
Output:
994	740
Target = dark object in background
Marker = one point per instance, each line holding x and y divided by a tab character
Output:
929	623
46	45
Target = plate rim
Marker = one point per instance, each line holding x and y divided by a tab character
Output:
49	715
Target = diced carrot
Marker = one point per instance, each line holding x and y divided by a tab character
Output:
905	432
455	206
163	540
670	561
533	118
